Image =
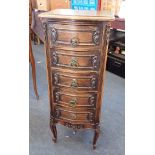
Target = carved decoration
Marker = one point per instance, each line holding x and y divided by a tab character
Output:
55	58
93	82
90	117
57	97
94	62
96	37
92	100
57	113
54	34
107	34
56	79
74	126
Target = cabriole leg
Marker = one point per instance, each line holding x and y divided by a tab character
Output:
53	129
96	135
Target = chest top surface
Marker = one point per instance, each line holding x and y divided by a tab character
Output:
79	15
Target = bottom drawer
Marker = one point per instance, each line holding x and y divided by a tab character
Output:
78	116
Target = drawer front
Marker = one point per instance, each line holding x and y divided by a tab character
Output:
75	81
78	116
74	35
74	100
74	60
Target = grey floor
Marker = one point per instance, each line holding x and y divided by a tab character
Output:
112	136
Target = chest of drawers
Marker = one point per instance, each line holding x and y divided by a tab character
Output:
76	44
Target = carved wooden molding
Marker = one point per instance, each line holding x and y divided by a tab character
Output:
57	113
90	117
74	126
55	58
93	82
96	37
57	97
56	78
94	61
54	34
92	100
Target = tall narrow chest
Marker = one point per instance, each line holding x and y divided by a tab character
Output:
76	44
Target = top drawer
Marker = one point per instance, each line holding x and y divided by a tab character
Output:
74	35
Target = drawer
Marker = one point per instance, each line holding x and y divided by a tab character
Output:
82	116
74	35
76	81
73	60
74	100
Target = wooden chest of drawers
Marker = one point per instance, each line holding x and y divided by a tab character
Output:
76	44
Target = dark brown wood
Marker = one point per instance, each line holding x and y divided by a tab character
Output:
76	53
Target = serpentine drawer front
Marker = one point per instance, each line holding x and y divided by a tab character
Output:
75	60
74	81
76	44
74	100
74	34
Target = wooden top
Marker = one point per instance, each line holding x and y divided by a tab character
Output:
78	15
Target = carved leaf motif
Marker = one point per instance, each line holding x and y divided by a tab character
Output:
56	79
96	37
94	62
92	100
54	34
55	58
90	117
74	126
57	97
93	82
57	113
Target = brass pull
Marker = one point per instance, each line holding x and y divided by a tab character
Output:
74	62
74	42
74	83
73	102
73	116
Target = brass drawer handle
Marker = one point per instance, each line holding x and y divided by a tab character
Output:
74	42
74	83
73	116
73	102
74	62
